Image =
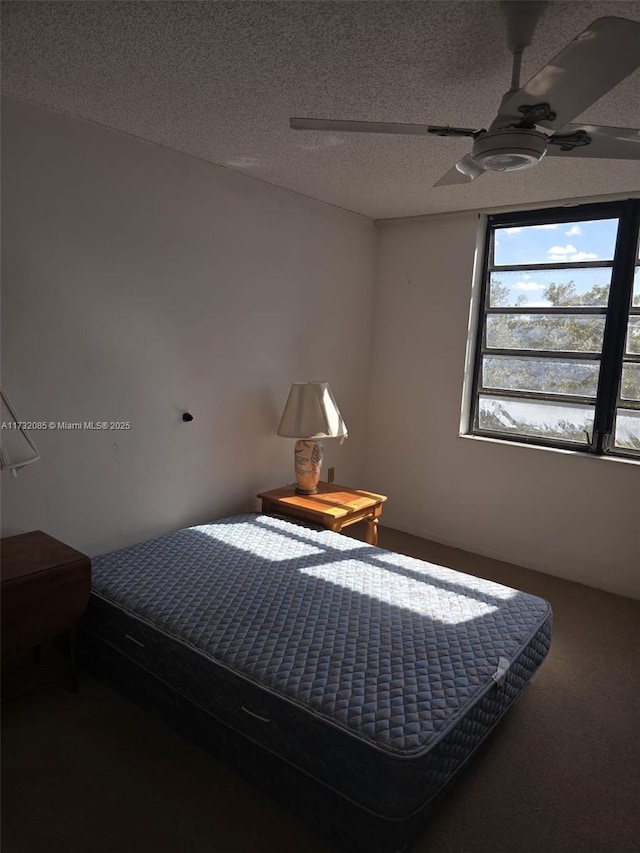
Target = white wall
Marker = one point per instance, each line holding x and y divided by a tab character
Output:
561	513
139	283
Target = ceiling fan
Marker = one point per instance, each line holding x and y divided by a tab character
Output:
533	121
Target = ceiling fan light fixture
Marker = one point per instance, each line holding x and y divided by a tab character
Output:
509	150
511	162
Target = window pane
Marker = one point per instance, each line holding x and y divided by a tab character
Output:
636	288
563	242
633	336
628	429
539	418
546	332
557	288
630	385
547	375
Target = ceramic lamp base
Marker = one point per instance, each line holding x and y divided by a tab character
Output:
308	463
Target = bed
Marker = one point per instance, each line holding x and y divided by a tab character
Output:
351	682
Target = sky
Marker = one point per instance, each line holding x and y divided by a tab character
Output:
563	242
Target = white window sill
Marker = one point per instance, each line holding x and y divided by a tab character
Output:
538	447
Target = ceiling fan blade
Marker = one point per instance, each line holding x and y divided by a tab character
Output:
615	143
465	171
377	127
588	67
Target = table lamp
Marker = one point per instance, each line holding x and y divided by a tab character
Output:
310	414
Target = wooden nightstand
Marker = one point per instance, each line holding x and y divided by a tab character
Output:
45	589
334	507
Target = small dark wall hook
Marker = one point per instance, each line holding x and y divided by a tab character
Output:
186	417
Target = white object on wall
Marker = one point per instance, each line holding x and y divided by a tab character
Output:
16	445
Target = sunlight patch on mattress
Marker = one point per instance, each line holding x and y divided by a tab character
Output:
281	547
451	607
431	571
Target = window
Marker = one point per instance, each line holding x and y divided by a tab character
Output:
558	348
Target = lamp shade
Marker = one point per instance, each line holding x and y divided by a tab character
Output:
311	412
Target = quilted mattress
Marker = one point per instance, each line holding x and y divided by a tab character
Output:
374	673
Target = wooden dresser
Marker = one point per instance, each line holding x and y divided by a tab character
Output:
45	589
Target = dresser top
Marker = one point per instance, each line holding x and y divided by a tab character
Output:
30	553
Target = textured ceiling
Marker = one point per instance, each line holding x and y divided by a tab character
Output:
220	80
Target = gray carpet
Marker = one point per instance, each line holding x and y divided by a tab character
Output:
91	773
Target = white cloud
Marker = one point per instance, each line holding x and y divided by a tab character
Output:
563	250
516	229
571	257
528	285
574	231
569	254
584	256
542	304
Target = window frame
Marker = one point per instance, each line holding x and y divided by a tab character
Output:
617	312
